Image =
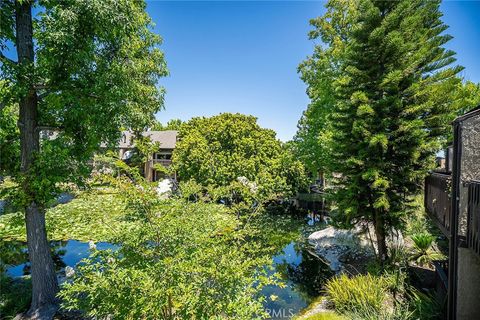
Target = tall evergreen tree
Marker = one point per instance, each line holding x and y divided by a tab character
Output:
391	85
83	69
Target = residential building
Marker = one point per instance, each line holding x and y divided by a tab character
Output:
167	140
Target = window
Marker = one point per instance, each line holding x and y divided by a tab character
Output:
163	156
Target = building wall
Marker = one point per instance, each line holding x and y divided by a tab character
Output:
468	287
469	166
468	272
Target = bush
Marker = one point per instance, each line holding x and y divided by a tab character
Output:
325	316
177	260
15	296
423	252
362	294
218	151
423	306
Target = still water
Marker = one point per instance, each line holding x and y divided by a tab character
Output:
65	253
302	273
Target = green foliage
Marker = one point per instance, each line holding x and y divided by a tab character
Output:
362	294
423	252
177	260
423	306
324	316
97	64
173	124
383	95
9	136
468	96
14	296
230	153
386	296
143	149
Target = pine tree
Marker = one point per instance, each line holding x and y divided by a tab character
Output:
392	108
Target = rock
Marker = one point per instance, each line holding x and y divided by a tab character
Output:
340	246
69	272
165	188
91	245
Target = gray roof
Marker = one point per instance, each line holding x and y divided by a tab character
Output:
167	139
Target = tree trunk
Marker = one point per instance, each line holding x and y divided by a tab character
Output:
381	239
44	280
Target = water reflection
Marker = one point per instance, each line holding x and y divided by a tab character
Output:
302	272
14	257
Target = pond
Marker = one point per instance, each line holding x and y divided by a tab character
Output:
65	253
302	273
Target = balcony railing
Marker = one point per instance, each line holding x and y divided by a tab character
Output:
473	222
438	201
164	162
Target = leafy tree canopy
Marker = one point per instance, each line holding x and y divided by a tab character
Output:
217	151
9	136
95	71
173	124
84	69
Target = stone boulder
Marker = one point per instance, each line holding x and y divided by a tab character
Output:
341	246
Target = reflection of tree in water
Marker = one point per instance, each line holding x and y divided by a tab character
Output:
13	253
308	276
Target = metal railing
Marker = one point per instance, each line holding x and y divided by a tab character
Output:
473	222
164	162
438	202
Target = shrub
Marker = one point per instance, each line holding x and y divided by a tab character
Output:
423	252
324	316
423	306
362	294
217	151
15	296
177	260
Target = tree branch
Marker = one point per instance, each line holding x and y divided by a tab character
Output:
50	128
43	95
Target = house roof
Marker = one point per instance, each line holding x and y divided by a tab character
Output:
167	139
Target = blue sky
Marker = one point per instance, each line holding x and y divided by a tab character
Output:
227	56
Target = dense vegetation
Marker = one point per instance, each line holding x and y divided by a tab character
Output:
233	155
177	258
83	71
384	91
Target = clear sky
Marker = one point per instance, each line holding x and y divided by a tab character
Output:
227	56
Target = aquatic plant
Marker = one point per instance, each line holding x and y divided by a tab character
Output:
177	260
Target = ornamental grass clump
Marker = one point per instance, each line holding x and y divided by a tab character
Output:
361	294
